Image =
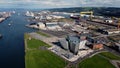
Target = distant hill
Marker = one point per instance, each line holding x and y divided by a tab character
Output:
106	11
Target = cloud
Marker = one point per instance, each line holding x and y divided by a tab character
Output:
62	3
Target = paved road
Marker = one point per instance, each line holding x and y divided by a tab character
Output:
76	63
47	40
112	51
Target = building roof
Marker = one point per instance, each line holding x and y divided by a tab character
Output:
73	39
98	44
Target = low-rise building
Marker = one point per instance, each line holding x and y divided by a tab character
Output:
53	26
97	46
82	44
41	25
28	13
63	24
108	21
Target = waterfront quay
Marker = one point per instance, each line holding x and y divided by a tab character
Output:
4	16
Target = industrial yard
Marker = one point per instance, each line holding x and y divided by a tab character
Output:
76	36
62	24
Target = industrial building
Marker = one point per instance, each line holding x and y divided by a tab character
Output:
53	26
63	24
46	26
91	37
28	13
109	21
100	40
41	25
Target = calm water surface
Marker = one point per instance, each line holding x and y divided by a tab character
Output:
12	43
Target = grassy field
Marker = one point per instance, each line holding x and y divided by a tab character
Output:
36	58
43	34
34	43
98	61
43	59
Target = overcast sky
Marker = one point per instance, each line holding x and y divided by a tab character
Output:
58	3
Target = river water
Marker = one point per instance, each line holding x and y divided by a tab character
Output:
12	43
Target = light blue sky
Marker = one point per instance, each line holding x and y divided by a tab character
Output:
58	3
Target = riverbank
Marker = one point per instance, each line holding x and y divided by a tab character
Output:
4	16
38	56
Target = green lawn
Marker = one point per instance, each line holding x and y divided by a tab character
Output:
34	43
95	62
43	59
98	61
36	58
43	34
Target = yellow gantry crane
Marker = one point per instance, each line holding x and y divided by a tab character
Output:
87	12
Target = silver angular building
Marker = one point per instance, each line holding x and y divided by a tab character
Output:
64	44
73	44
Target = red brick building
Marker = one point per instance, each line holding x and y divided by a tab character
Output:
98	46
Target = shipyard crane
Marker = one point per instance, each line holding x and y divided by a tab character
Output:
87	12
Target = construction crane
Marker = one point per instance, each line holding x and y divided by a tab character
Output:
87	12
